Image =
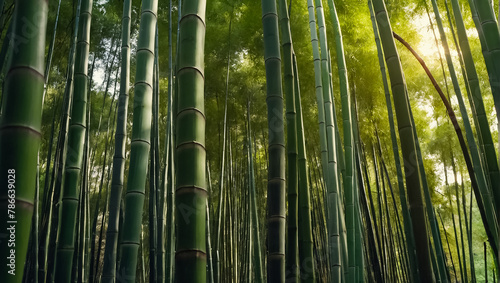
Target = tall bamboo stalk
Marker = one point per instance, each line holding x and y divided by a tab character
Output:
276	211
328	140
255	235
306	251
292	243
410	242
468	130
109	269
191	192
221	180
348	182
407	138
168	174
140	144
477	101
489	32
76	134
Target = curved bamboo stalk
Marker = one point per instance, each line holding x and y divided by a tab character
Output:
191	192
480	175
477	101
451	114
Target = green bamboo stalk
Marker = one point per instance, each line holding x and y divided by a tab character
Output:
256	252
76	134
327	140
96	276
359	227
48	61
398	221
381	230
485	264
276	212
410	242
479	137
140	144
486	217
371	244
109	269
306	251
209	246
468	230
407	142
152	196
210	271
489	31
42	241
292	244
221	180
93	268
469	134
169	187
20	126
464	257
82	260
191	193
448	244
374	218
333	137
349	184
477	100
441	274
168	174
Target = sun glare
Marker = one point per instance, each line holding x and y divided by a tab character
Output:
427	45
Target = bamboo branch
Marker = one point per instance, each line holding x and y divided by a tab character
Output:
460	137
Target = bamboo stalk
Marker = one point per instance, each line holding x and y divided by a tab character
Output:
191	192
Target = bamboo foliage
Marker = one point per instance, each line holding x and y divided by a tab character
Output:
191	191
140	144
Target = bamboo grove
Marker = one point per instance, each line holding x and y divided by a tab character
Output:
249	141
